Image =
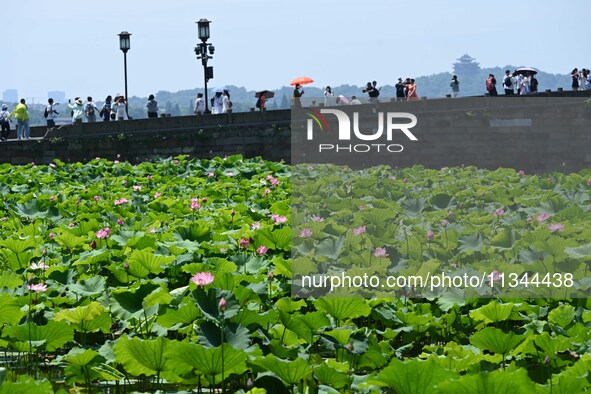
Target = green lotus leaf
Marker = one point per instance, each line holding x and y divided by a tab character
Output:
497	382
128	304
88	318
290	372
580	252
142	357
10	280
495	340
493	312
69	241
107	372
331	377
504	239
18	246
279	239
471	243
414	376
330	247
26	385
185	356
235	335
81	357
55	334
342	309
11	310
562	316
195	232
186	314
143	263
89	287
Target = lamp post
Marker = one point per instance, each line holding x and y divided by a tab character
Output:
201	50
124	45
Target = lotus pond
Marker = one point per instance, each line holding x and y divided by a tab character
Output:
176	276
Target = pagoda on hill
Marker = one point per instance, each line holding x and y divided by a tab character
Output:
466	66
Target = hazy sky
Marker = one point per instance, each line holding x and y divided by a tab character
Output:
263	44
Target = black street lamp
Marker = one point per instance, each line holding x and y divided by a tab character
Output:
201	50
125	45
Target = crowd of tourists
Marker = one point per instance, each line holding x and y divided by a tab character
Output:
513	83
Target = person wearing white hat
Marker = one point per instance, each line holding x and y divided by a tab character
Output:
77	110
4	123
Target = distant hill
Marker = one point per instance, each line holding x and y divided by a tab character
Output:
433	86
471	76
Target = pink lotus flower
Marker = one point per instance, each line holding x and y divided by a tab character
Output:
204	200
137	188
305	233
152	230
255	226
270	276
444	223
266	193
122	200
359	230
116	162
222	304
156	195
244	242
542	217
149	177
97	198
52	198
530	220
262	250
37	288
499	212
52	165
450	214
119	155
430	235
495	276
195	204
558	227
380	252
104	233
202	278
51	235
272	180
72	225
521	173
229	173
279	219
316	218
211	175
120	221
39	266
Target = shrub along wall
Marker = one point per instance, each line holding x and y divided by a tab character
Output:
535	134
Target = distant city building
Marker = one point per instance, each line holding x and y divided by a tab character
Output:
10	96
57	95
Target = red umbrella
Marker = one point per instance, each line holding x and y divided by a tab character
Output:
301	81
